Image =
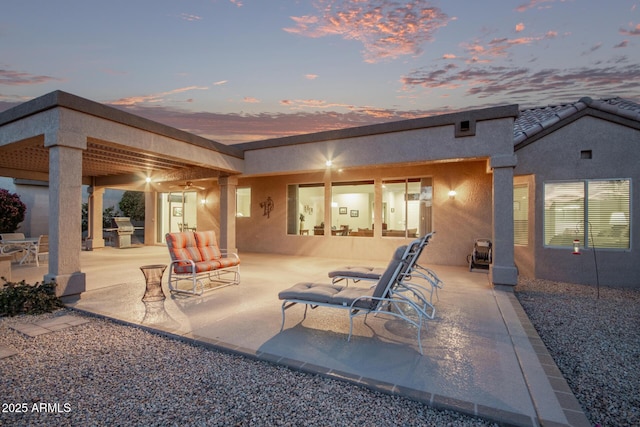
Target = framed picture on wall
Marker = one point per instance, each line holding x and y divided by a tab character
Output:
342	211
177	211
355	213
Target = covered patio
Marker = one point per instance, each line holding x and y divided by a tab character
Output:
482	355
69	142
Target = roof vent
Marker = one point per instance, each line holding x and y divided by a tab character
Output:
465	128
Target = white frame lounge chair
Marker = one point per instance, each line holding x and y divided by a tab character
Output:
358	273
361	301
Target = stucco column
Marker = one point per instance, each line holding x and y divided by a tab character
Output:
228	186
377	201
95	237
150	237
65	211
503	270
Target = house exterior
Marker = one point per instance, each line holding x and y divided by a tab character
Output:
578	169
354	193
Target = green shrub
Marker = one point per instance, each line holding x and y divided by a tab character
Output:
22	298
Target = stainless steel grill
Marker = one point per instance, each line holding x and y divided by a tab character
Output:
124	230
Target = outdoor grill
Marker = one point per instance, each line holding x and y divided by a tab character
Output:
124	230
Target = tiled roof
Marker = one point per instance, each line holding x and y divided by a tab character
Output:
535	120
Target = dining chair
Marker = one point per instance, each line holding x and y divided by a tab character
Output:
41	248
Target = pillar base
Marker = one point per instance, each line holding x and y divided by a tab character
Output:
91	244
500	275
5	266
68	284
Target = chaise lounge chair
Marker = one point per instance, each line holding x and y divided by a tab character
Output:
358	273
388	296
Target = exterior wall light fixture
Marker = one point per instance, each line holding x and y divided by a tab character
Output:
452	194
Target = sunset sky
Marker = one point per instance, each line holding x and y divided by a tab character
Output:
242	70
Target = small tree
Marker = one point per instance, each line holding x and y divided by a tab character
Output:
85	216
12	211
132	205
107	214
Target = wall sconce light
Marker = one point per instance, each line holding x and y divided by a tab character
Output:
147	179
576	247
203	201
328	163
452	194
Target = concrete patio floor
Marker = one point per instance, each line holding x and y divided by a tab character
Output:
481	356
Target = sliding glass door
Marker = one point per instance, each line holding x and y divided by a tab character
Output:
177	211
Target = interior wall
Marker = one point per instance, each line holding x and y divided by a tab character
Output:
524	255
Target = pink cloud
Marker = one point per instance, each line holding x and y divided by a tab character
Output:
539	4
499	47
386	29
298	104
506	84
238	128
17	78
634	31
519	27
154	98
189	17
310	76
251	100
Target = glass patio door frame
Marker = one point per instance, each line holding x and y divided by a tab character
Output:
176	210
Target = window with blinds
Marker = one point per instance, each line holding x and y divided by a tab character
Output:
521	214
595	212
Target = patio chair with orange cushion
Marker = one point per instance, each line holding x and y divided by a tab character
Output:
197	259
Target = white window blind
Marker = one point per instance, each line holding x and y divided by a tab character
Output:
521	214
608	213
592	211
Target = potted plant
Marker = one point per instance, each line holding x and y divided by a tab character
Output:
301	222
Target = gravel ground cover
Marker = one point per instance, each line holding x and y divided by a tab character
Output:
594	341
104	373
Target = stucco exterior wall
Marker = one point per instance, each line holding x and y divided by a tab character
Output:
491	137
208	213
457	221
556	157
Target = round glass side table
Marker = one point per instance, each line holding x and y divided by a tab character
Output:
153	276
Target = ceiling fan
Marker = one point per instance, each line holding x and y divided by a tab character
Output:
188	185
